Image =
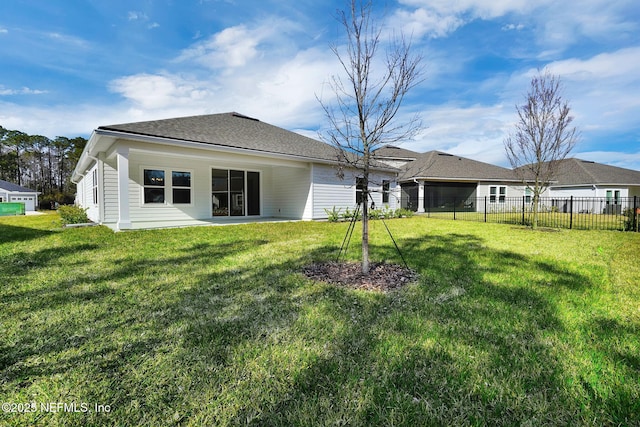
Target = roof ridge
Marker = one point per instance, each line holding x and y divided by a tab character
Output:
580	162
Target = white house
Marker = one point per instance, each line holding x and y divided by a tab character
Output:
216	168
599	188
10	192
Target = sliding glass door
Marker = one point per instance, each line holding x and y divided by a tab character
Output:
235	192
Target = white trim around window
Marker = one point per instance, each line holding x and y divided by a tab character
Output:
166	186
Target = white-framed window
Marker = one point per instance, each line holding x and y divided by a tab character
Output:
162	186
385	191
94	186
497	194
153	186
181	187
359	188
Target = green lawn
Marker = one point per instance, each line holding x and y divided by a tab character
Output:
217	326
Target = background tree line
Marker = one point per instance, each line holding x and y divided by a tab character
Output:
41	164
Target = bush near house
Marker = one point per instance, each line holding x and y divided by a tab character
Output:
71	214
218	326
336	214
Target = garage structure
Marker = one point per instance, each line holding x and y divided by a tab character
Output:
14	193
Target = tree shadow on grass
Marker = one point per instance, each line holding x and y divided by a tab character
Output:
456	349
202	338
12	233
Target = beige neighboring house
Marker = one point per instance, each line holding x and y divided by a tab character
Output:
14	193
438	181
213	169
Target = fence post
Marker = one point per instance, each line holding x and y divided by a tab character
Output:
485	208
571	213
636	212
454	208
523	206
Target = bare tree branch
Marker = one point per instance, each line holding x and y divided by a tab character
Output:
363	114
542	137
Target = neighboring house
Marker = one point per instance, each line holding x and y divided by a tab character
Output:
615	186
437	181
10	192
212	169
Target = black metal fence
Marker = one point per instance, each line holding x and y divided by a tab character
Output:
587	213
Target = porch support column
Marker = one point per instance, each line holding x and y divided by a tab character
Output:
421	197
122	159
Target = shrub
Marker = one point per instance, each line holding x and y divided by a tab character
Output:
403	213
375	214
631	220
333	215
349	214
73	215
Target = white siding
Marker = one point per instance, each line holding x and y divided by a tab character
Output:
284	185
574	191
110	191
93	209
290	190
330	191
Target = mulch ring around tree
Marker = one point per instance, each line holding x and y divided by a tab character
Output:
382	277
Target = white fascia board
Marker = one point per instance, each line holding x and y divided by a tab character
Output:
215	147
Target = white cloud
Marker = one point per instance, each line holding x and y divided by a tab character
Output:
70	41
603	91
439	18
154	92
232	47
476	132
555	25
613	158
231	71
63	120
137	16
512	27
425	23
3	31
22	91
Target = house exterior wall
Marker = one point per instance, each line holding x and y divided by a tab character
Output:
330	191
288	188
288	191
109	194
589	191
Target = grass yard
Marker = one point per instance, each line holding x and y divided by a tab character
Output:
217	326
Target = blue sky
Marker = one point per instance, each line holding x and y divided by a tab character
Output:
69	66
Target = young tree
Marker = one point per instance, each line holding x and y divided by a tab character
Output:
542	137
364	112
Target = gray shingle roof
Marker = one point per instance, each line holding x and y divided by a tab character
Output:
391	152
439	165
576	172
232	130
9	186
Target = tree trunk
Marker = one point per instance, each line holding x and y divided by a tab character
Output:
365	231
536	201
